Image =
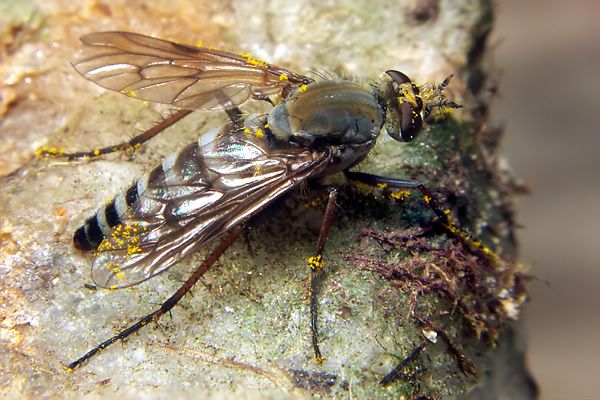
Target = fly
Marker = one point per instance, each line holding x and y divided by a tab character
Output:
213	186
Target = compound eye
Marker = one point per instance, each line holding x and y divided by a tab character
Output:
398	77
411	122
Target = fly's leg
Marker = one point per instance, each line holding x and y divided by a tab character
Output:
393	374
132	144
167	305
464	364
443	214
316	265
234	113
236	116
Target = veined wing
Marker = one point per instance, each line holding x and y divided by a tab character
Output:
196	195
193	78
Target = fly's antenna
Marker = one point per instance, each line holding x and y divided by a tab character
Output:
437	104
438	93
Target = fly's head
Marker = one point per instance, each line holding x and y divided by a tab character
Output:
409	106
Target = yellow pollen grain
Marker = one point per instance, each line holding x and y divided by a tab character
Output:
133	250
96	152
283	77
382	185
247	131
400	195
49	151
316	262
105	245
490	253
259	133
409	97
253	61
303	89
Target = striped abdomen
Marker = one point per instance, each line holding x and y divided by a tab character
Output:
95	229
147	197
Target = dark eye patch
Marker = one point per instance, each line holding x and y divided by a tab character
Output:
398	77
411	122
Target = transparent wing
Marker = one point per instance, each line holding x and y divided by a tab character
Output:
189	77
193	197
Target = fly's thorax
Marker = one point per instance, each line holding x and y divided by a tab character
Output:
327	113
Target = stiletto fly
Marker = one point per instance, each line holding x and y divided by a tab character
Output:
213	186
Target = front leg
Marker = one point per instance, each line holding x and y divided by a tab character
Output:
443	214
